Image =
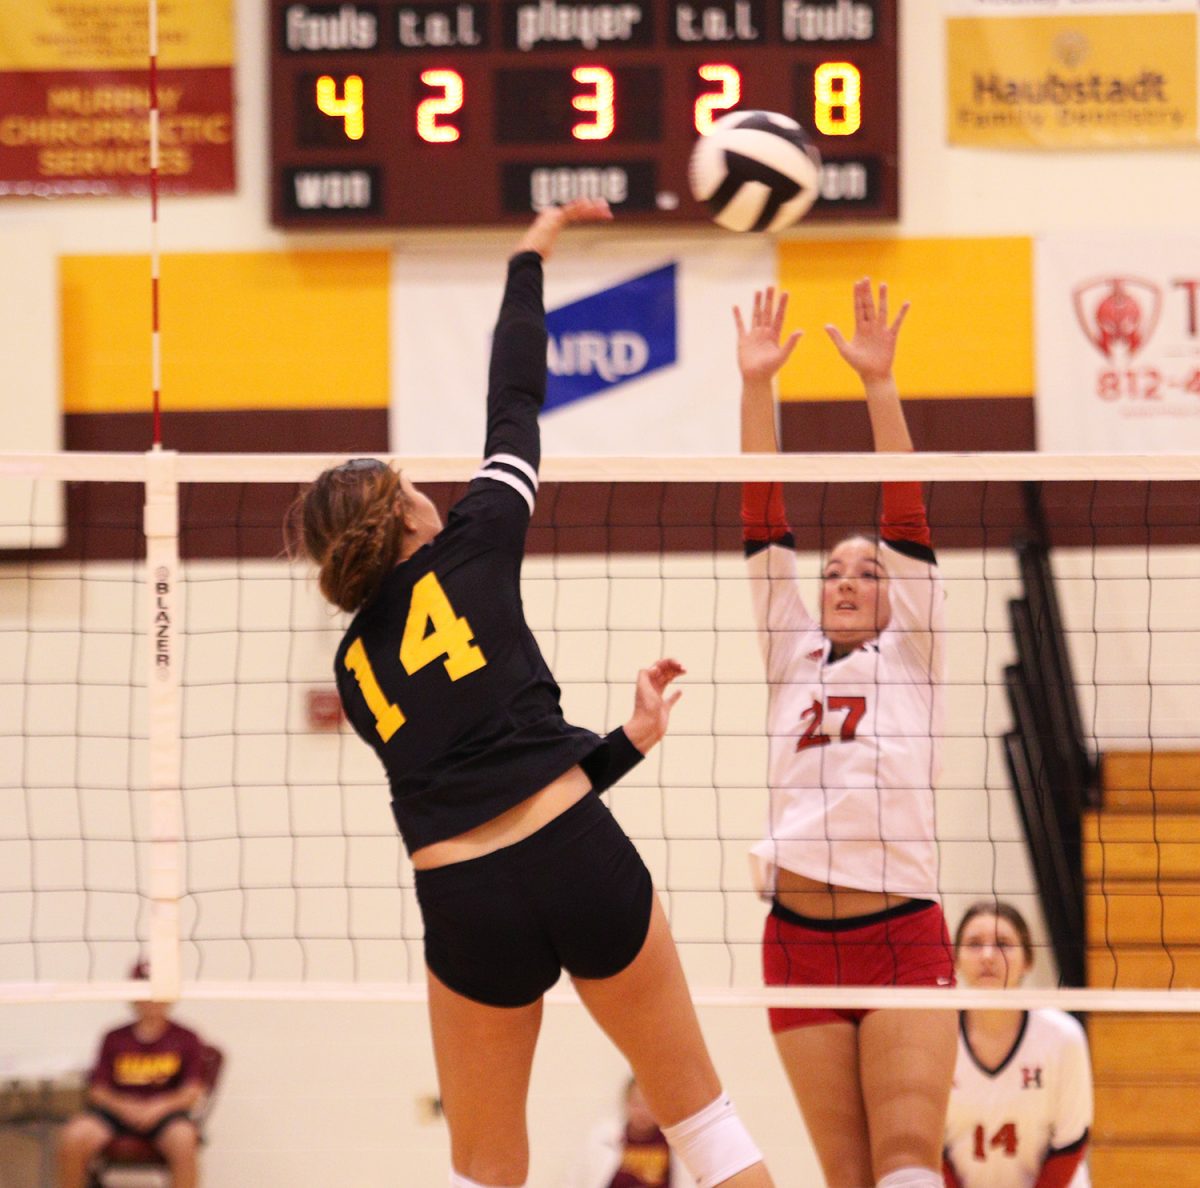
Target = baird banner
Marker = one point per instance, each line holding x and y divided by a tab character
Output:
1051	74
640	353
1118	343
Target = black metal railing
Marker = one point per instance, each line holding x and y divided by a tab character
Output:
1051	771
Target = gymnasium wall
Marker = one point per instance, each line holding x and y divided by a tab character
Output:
276	341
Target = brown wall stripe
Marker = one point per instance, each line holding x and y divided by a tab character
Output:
976	425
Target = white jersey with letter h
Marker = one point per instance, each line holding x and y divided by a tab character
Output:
1003	1124
854	742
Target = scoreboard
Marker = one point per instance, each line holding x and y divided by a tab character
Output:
390	115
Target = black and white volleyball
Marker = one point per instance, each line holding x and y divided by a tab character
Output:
755	171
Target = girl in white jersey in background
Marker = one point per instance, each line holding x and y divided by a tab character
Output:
1021	1105
850	859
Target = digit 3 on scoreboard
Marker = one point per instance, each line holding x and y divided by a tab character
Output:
390	114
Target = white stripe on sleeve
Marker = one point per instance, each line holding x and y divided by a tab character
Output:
517	463
511	480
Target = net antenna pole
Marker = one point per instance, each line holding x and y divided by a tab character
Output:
164	715
155	344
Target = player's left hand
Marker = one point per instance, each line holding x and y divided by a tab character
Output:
873	348
651	704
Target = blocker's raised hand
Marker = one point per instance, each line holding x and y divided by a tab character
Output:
873	348
761	353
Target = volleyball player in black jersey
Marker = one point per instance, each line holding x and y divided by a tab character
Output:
521	870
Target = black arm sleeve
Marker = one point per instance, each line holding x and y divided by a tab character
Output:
517	373
612	759
501	496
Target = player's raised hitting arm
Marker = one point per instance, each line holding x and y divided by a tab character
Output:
517	370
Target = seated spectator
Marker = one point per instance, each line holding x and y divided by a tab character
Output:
145	1083
629	1151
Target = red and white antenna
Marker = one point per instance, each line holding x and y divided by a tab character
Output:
155	345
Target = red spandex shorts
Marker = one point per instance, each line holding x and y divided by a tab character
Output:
903	946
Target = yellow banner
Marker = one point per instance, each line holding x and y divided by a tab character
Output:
113	34
239	330
969	332
1098	81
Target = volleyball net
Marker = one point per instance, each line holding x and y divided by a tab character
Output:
178	782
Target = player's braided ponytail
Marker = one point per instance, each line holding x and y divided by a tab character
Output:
350	525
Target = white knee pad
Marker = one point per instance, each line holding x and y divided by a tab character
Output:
457	1181
911	1177
713	1144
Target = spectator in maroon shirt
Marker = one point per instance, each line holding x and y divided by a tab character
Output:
146	1081
628	1150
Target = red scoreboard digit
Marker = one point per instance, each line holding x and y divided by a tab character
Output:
389	114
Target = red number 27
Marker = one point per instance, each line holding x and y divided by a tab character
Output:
813	735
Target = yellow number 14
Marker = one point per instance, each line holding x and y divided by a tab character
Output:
432	630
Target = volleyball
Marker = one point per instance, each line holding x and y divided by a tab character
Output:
755	171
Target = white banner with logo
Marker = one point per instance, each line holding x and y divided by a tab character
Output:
642	343
1118	343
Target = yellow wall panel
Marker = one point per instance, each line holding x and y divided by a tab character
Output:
239	330
114	36
969	332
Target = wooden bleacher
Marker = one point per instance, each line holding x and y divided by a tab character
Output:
1142	872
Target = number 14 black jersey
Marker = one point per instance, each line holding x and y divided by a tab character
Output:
439	672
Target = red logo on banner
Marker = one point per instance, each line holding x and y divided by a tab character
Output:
1118	313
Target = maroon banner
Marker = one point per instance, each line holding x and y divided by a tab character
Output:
88	132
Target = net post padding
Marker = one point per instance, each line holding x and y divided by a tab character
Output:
164	721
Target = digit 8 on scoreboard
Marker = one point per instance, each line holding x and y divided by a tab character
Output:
390	114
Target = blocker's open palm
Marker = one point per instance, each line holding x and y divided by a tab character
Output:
761	353
871	351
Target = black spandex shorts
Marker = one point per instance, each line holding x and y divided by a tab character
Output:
119	1128
576	895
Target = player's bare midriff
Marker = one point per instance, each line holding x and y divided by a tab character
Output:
824	901
514	825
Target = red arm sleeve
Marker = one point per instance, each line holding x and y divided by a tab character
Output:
1060	1166
764	518
904	514
949	1174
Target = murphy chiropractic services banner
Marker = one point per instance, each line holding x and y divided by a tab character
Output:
1056	74
75	97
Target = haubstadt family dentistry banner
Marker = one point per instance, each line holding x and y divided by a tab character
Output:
1057	74
1118	343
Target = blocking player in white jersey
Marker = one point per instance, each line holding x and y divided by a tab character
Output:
1021	1104
850	858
